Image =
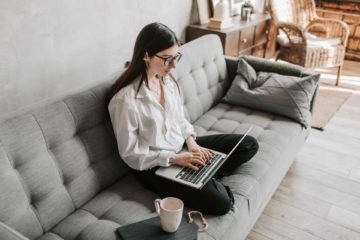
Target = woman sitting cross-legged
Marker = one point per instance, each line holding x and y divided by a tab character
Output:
148	120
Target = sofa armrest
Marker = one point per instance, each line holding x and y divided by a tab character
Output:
266	65
231	65
8	233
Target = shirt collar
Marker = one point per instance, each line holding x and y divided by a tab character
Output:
144	92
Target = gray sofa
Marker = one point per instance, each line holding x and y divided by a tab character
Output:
61	176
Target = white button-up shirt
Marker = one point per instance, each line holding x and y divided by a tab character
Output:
148	134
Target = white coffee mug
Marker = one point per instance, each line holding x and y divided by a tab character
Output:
170	210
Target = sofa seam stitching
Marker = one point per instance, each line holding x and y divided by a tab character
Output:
47	147
13	232
21	180
72	114
87	224
55	233
54	160
218	118
85	210
79	132
7	155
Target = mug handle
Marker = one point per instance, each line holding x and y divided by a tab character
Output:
157	205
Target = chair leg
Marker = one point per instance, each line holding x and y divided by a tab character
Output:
338	75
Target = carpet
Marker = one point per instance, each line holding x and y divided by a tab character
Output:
327	103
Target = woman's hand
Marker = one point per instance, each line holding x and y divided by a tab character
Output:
187	159
206	154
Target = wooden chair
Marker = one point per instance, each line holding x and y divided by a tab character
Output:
306	39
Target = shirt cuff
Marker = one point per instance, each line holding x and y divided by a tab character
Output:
164	158
189	132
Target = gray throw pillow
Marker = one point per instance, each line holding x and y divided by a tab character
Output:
284	95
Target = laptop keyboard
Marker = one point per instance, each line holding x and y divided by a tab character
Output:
194	176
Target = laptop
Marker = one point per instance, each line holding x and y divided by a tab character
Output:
198	178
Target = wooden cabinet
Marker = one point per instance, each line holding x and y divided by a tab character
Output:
243	38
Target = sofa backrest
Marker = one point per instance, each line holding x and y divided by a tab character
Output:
202	75
54	159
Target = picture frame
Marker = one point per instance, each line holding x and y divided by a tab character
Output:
204	11
235	7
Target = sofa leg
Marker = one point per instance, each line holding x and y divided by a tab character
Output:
338	75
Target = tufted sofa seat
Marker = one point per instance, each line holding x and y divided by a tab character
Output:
61	177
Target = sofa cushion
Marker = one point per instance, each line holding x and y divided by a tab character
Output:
203	77
122	203
54	159
289	96
32	179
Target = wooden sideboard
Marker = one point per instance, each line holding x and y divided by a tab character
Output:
243	38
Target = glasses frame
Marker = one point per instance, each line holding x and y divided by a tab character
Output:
169	60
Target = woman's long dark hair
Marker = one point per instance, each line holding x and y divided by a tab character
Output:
153	38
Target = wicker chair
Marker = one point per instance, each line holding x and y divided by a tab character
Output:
306	39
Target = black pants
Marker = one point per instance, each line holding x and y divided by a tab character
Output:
214	197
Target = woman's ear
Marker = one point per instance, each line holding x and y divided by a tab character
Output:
146	57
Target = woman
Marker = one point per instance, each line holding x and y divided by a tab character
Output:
148	120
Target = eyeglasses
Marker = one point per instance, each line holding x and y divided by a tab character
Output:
169	60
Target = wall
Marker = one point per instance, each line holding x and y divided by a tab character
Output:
52	48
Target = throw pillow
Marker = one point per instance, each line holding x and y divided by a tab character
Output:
288	96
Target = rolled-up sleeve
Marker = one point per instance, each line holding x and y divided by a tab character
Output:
134	150
187	129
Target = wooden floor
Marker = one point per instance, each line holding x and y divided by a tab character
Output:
320	196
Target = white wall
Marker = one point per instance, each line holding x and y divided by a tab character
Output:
49	48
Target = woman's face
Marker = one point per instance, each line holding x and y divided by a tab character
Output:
163	62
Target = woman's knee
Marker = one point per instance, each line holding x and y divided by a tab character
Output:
220	198
221	205
252	144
